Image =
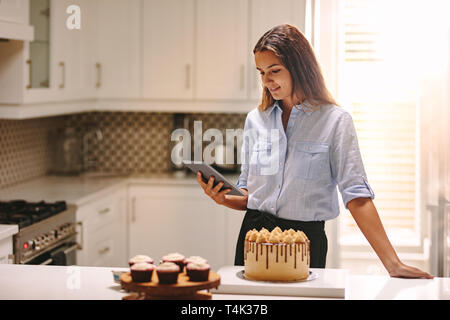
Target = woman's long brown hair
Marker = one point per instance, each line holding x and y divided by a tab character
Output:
297	55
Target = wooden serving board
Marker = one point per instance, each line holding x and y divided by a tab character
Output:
183	289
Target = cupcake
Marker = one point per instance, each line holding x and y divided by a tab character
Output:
167	272
198	271
140	258
176	258
142	272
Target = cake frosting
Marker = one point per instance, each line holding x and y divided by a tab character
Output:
173	256
277	255
140	258
168	266
142	266
195	259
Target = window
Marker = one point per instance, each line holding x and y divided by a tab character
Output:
378	84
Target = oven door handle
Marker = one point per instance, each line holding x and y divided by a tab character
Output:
72	248
46	262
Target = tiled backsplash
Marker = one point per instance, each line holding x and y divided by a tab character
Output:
132	142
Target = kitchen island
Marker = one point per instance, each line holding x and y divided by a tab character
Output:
28	282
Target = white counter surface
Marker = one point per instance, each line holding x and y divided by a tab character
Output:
79	190
8	230
87	283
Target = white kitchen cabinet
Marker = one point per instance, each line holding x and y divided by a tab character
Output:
221	49
180	218
102	231
55	66
6	242
266	14
14	11
118	49
168	49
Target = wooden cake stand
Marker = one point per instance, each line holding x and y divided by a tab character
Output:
182	290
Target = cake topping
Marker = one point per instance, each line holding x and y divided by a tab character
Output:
142	266
173	256
195	259
262	237
198	265
168	266
277	230
140	258
276	236
288	239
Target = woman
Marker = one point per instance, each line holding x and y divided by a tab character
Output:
290	179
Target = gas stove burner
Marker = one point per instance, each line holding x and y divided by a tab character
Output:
25	213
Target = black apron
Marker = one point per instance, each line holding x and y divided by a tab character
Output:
314	230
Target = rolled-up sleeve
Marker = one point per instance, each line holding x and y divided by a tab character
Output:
346	162
242	181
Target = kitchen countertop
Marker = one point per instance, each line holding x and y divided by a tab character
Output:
73	283
8	230
81	189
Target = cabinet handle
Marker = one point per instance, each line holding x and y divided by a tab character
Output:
242	77
63	66
99	75
104	250
30	73
188	76
133	207
81	244
104	211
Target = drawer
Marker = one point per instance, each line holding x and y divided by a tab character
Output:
100	213
106	247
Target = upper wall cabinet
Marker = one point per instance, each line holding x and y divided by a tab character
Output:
221	49
168	49
53	66
14	11
118	47
265	14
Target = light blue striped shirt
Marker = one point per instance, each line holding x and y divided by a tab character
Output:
294	174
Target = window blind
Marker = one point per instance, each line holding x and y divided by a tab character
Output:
382	102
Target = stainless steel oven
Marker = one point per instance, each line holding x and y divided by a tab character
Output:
47	232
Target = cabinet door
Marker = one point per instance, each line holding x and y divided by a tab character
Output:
64	44
103	231
168	49
14	11
118	46
221	49
266	14
176	218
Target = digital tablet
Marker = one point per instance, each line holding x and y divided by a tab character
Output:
208	171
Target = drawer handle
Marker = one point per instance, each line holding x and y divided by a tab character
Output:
30	73
104	250
99	75
188	76
63	67
104	211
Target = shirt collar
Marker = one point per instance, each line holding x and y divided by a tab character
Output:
305	106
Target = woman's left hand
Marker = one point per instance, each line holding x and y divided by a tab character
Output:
401	270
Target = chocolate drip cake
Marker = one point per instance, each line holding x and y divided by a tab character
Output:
277	255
